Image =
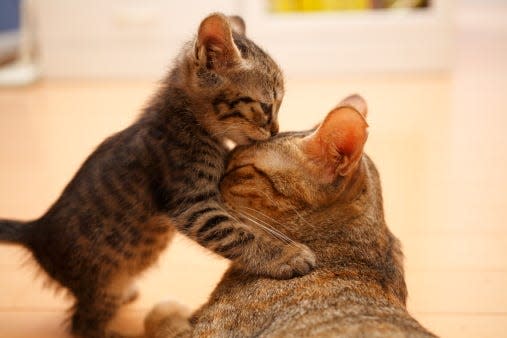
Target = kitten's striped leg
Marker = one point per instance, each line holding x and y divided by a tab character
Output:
209	224
93	313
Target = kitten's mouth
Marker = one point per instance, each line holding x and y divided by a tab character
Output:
262	137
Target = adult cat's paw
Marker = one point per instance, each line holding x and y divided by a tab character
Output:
297	260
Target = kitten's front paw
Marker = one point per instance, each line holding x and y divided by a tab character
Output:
297	260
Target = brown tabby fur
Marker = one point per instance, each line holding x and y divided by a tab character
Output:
160	175
320	190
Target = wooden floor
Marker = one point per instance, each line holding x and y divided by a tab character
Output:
439	141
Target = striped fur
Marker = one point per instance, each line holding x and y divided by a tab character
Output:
160	175
358	288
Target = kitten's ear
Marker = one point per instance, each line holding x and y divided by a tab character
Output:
215	46
338	142
238	24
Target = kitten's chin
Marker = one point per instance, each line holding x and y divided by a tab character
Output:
234	140
244	139
250	140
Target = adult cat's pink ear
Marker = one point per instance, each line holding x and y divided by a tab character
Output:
214	44
337	145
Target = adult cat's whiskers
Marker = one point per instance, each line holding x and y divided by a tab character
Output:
239	221
293	208
302	218
268	228
295	211
263	215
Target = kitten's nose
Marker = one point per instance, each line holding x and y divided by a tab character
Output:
274	128
268	110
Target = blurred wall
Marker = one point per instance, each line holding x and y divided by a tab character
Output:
9	29
116	38
138	39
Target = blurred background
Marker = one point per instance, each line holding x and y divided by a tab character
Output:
433	72
136	39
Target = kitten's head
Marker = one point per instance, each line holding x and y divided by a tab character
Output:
300	172
242	82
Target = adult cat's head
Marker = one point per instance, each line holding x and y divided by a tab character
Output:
319	188
304	171
239	86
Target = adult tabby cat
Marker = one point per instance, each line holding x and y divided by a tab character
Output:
117	214
317	188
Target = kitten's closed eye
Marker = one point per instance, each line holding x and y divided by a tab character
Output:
256	118
267	108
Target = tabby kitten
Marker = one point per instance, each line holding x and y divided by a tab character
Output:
320	189
161	174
